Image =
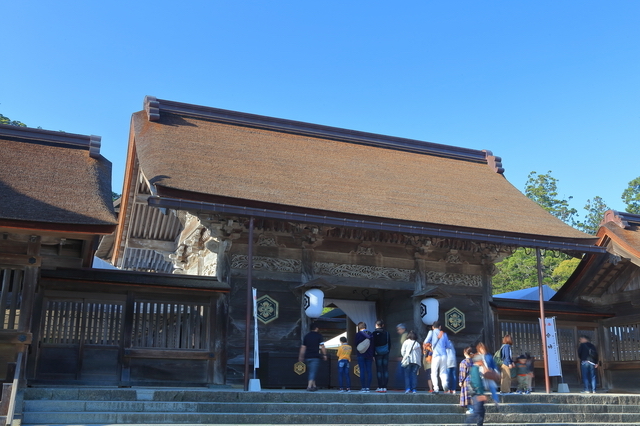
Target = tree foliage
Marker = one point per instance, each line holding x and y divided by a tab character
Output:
7	120
520	270
543	189
595	212
631	196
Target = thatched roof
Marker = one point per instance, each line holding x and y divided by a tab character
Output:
206	154
53	178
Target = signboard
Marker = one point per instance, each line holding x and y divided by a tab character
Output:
553	350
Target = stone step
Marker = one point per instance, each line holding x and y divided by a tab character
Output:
39	418
333	407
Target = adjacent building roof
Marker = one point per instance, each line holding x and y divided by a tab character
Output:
619	234
51	180
532	293
206	158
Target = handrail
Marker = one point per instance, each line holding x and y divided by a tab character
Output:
14	390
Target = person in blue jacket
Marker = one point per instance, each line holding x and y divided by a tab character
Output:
507	365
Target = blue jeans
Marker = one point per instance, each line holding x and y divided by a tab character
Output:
588	375
382	370
365	371
343	374
451	378
312	367
493	387
411	376
477	417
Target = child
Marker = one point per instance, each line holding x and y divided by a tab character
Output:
464	378
344	357
477	389
531	364
522	371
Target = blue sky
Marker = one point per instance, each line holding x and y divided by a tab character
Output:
546	85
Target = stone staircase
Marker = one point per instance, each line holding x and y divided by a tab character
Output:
142	406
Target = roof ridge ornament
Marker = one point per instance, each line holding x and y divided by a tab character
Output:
623	219
95	142
494	163
152	107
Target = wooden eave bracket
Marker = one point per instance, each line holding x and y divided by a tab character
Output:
152	107
432	291
494	163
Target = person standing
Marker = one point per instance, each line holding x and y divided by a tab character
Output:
412	353
365	356
438	340
401	329
507	364
451	367
381	347
477	388
344	361
310	352
522	372
588	355
464	375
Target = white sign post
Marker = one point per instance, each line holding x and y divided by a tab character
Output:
254	384
553	349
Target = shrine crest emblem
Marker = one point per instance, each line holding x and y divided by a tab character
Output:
299	368
454	320
267	309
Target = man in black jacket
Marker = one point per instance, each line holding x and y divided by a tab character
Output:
382	346
588	363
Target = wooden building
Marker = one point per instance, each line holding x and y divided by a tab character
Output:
611	284
370	219
55	202
64	323
600	300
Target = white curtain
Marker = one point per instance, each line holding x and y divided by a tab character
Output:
357	310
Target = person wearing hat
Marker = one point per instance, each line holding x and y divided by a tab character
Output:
477	390
401	329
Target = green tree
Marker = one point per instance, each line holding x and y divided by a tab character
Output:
520	270
595	212
7	120
543	189
115	196
631	196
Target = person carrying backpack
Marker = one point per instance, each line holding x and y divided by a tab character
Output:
365	350
505	359
588	363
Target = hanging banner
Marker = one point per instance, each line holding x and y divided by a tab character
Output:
553	349
256	357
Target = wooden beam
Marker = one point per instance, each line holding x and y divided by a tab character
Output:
157	245
167	354
19	260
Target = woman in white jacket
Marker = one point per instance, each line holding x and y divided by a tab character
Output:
412	354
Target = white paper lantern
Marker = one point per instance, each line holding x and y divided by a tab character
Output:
429	310
313	302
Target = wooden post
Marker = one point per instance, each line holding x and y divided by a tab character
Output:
543	329
247	336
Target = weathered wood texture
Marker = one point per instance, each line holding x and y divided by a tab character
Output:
125	337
